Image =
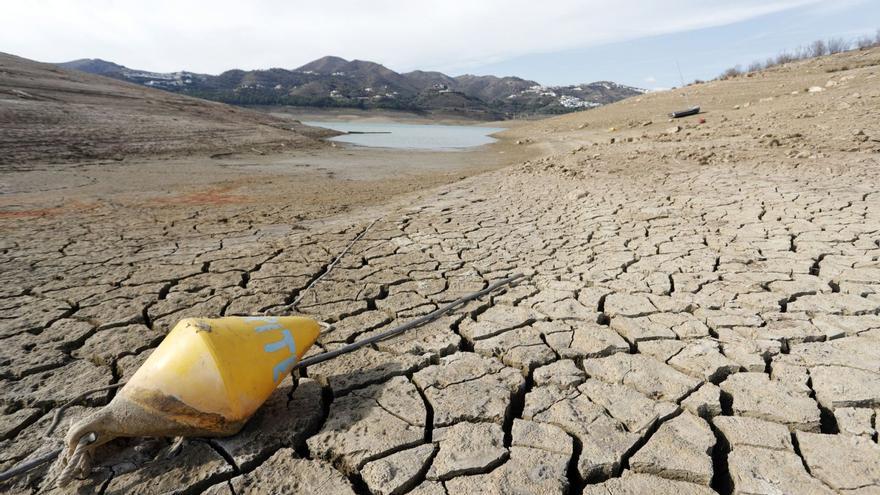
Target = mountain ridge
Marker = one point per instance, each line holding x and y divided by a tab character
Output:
53	115
332	81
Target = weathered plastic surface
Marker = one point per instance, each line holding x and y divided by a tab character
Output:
206	378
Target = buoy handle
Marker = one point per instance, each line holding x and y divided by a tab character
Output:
99	427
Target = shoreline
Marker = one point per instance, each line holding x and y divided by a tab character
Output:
324	180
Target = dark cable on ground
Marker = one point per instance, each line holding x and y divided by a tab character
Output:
320	358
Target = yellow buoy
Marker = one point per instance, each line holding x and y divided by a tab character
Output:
206	378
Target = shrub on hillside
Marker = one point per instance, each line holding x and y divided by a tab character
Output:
838	45
866	42
732	72
815	49
755	66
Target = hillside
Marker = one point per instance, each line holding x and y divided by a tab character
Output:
800	112
336	82
51	114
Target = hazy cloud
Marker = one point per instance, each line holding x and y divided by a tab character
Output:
211	36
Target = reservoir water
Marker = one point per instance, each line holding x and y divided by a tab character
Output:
410	136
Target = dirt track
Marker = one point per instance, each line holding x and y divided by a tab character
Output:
702	314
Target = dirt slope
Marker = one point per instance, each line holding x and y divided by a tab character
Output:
49	114
808	109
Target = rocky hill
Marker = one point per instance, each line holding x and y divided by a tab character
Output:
52	114
336	82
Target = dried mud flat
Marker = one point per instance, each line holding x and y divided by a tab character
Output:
702	313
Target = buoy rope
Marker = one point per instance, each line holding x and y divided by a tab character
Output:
332	264
56	418
79	463
60	411
324	356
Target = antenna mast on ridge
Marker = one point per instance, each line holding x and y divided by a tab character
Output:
683	90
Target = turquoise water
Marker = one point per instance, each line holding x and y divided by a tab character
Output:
411	136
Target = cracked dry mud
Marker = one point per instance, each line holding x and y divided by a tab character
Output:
687	327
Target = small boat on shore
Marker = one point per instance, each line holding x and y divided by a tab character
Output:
685	113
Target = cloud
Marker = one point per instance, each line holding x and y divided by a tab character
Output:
214	35
650	79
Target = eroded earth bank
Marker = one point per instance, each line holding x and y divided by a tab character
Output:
701	314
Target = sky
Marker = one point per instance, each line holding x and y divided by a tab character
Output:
635	42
